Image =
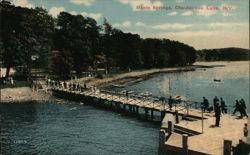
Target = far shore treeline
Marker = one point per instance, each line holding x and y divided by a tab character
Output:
73	43
223	54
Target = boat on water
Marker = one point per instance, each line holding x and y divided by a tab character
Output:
118	85
146	94
179	99
217	80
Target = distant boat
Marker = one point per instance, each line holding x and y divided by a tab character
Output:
145	94
129	92
179	99
217	80
117	85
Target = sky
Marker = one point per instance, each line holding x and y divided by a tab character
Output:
203	24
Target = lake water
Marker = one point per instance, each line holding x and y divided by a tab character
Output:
71	128
194	85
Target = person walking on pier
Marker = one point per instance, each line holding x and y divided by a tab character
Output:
237	108
217	114
223	106
243	108
170	102
126	94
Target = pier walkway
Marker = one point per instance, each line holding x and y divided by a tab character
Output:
134	102
184	130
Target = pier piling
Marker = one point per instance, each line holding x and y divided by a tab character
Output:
185	143
152	114
176	117
227	147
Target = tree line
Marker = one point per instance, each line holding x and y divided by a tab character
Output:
223	54
76	43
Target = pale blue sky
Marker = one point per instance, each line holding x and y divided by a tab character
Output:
199	28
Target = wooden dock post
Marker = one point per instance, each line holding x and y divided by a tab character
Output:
162	115
133	109
185	143
176	117
137	110
170	127
124	107
162	138
152	114
111	104
116	106
227	147
146	112
130	108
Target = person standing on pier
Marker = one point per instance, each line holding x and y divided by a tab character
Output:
245	130
217	114
216	100
127	94
223	106
237	108
205	104
170	102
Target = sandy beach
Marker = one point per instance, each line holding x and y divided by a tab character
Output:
131	75
23	94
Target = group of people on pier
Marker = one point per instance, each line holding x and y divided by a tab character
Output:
35	85
73	86
221	107
240	106
217	104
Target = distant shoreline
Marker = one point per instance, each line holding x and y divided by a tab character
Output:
25	93
132	75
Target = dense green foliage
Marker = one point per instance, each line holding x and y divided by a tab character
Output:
224	54
25	32
76	43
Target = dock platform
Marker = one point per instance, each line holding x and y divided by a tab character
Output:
184	130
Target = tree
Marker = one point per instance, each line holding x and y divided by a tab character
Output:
25	32
125	50
58	60
77	36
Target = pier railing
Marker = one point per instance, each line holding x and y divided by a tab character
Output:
182	106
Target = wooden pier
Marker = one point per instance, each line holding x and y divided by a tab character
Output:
121	102
184	129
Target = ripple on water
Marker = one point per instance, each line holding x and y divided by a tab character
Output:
38	128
